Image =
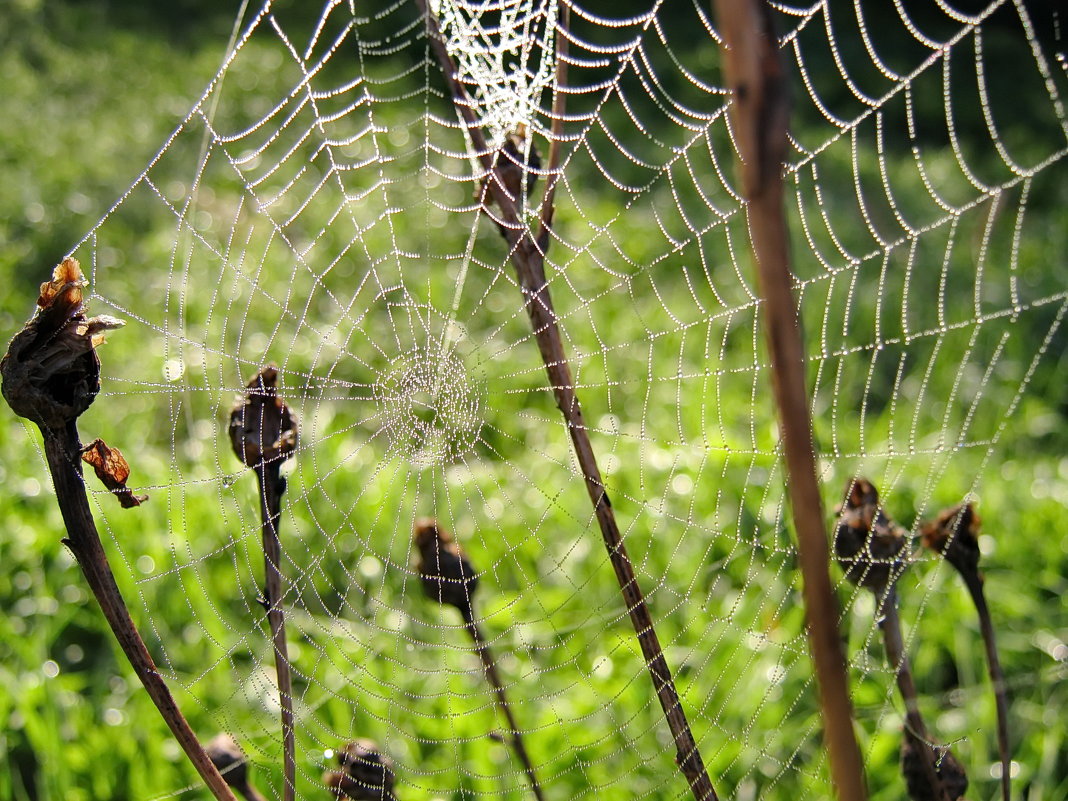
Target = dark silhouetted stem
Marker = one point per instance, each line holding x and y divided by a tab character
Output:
62	451
974	581
271	488
490	665
759	117
528	258
915	728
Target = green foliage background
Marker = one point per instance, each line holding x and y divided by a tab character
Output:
90	93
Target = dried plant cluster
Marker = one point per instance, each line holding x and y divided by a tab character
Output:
872	550
51	375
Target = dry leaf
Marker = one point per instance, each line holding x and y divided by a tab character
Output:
113	470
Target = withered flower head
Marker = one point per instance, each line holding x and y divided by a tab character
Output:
51	373
262	429
955	535
366	773
447	575
227	756
948	768
868	545
113	470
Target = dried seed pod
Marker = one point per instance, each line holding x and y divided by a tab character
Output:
227	756
113	471
948	768
51	373
447	575
955	535
366	773
868	545
262	429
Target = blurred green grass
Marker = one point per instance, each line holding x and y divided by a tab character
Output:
690	462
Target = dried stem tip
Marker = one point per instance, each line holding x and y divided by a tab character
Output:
262	429
868	545
366	773
950	773
447	575
51	373
955	535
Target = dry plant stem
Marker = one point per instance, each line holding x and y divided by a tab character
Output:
915	728
528	259
62	450
759	116
271	488
974	581
484	653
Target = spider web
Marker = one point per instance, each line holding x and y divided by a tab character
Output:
317	209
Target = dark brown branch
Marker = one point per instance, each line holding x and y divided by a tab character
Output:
528	259
759	118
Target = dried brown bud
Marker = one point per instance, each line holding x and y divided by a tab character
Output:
113	470
868	545
51	373
227	756
447	575
366	773
948	768
955	535
262	429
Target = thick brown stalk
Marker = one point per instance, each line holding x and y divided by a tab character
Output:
915	728
759	116
528	259
490	666
974	582
62	451
271	487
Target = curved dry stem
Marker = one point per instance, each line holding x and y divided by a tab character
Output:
62	451
974	582
490	666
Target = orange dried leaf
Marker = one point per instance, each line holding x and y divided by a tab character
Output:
113	470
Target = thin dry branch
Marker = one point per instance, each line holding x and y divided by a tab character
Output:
263	433
528	258
51	375
759	118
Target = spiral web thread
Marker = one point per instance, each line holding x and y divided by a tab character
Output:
317	209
